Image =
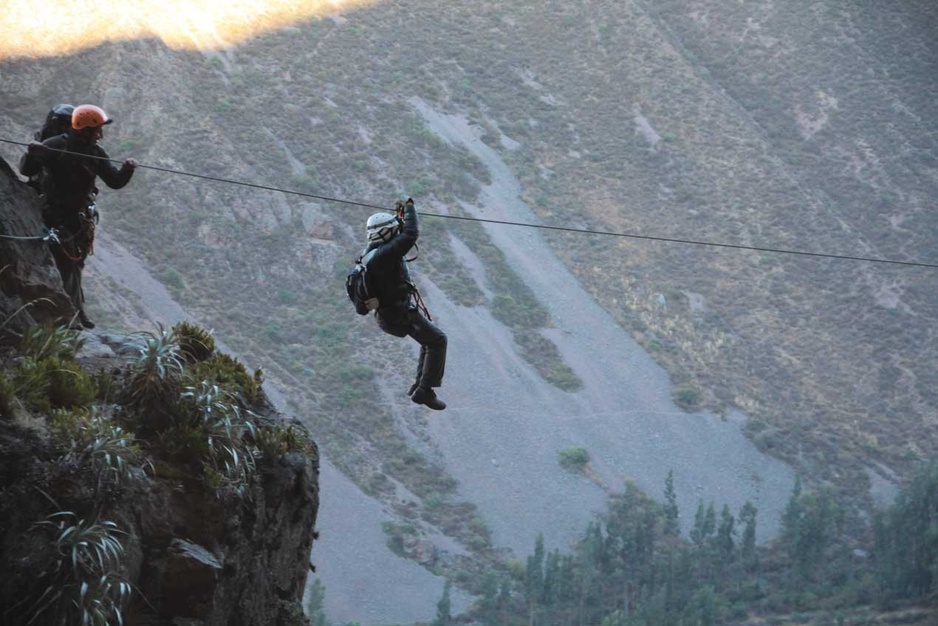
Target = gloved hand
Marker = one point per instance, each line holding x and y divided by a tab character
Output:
399	208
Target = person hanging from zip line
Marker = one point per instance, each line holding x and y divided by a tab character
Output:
69	165
401	311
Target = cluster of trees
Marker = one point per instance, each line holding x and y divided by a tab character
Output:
633	567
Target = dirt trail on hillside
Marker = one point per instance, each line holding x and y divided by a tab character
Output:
505	426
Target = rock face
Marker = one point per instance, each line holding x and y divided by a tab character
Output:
30	286
192	553
217	561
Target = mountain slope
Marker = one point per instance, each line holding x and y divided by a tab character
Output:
801	126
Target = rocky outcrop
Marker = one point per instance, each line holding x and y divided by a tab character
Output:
234	553
222	559
30	286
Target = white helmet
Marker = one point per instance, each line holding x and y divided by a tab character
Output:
382	227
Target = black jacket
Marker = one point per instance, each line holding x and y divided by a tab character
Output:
68	180
387	268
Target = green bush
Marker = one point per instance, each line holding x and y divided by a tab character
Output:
277	440
173	279
50	383
228	373
574	459
544	356
70	385
195	343
686	398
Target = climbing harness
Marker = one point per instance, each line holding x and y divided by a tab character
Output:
417	300
82	239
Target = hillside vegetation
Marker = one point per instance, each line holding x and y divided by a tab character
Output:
801	125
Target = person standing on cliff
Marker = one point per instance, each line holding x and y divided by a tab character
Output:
400	308
70	164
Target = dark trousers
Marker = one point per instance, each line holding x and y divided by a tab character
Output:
69	259
75	229
411	323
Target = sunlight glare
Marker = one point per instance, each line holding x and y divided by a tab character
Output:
37	28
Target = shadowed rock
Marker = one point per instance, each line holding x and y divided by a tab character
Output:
30	285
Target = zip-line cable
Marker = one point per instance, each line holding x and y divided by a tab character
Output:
568	229
688	241
206	177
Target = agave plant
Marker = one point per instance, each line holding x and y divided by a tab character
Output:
229	454
83	585
89	436
207	401
229	459
157	368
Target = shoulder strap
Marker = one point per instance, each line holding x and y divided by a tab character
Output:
366	256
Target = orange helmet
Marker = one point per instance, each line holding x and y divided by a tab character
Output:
89	116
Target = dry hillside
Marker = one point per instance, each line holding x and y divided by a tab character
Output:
805	126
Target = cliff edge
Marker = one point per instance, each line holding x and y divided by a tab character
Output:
144	478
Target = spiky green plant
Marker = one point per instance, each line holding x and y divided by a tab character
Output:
155	373
82	583
223	450
59	342
87	436
195	343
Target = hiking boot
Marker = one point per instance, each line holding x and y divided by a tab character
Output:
428	398
85	320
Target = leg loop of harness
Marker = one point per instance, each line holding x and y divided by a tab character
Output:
417	299
78	244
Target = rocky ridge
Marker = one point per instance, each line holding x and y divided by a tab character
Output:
164	546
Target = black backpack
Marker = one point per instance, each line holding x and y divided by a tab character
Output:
58	121
358	286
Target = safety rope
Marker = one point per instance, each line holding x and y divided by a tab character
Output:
49	234
16	238
89	238
582	231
